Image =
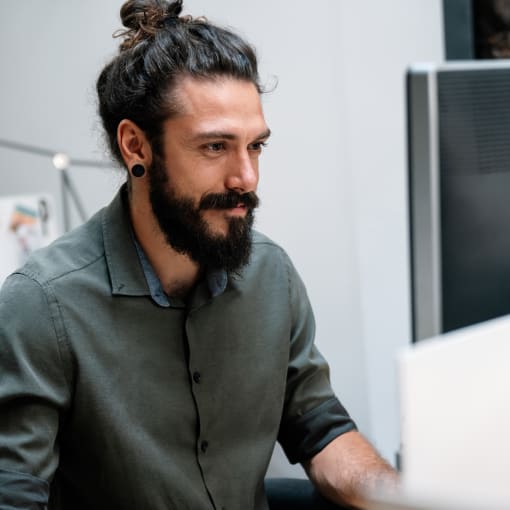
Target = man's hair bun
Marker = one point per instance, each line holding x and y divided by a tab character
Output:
143	18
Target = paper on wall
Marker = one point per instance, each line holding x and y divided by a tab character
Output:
27	222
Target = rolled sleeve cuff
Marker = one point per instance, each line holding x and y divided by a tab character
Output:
21	490
305	436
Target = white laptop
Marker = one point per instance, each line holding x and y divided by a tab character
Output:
455	421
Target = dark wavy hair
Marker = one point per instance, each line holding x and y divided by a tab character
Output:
159	47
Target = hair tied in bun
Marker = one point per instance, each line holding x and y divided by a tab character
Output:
144	18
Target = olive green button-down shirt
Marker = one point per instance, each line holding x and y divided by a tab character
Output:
109	400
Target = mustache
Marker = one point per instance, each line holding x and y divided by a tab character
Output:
229	200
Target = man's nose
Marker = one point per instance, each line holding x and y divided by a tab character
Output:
243	173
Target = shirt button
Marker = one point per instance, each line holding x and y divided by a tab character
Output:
204	445
197	377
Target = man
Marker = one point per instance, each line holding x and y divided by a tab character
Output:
167	346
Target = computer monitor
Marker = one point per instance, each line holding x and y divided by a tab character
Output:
459	194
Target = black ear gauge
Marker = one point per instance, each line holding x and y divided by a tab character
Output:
138	170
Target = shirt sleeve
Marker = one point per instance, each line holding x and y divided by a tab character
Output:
312	415
34	391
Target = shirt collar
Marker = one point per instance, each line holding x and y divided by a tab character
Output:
155	288
126	274
216	281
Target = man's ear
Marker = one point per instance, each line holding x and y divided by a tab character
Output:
133	144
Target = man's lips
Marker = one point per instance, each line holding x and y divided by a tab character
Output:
237	208
240	208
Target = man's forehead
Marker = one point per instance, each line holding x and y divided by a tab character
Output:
198	95
221	105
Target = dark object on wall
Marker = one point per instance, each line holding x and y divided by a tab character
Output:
476	29
459	170
492	28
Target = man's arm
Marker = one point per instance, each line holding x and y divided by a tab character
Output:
348	469
33	392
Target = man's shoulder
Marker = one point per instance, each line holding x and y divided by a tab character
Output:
268	256
263	246
260	240
73	251
270	272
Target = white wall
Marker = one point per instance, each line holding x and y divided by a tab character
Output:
333	180
376	50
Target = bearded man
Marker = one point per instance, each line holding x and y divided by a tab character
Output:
167	346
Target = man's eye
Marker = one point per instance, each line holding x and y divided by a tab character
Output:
257	146
216	146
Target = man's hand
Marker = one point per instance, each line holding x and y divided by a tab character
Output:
349	469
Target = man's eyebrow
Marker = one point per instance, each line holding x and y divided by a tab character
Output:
214	135
264	135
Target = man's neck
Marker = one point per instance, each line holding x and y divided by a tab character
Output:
177	273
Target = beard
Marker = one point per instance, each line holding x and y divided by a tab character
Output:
186	231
